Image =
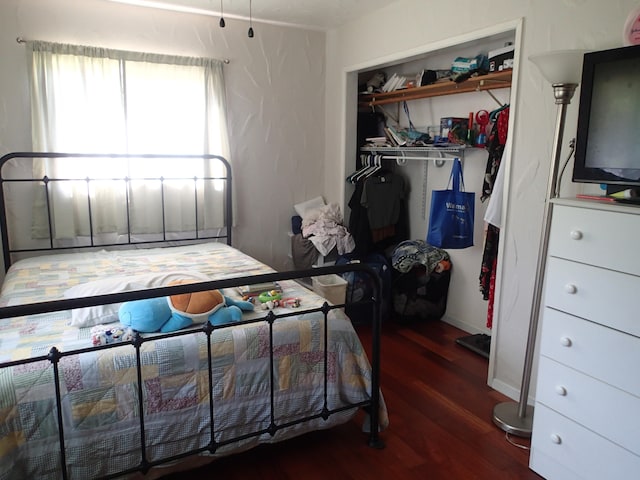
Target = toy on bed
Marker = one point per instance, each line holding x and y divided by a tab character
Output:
168	314
273	299
106	334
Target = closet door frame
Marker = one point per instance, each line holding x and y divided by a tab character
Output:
349	147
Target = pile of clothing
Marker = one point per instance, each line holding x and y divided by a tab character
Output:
318	230
411	253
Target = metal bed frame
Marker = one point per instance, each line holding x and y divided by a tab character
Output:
46	180
54	355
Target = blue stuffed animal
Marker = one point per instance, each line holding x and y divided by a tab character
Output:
168	314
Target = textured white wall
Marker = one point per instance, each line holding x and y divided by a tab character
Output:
275	92
410	25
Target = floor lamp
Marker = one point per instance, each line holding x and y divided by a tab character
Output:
563	70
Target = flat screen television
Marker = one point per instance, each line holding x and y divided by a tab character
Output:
608	137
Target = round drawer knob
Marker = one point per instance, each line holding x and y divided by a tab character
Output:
560	390
565	341
555	438
570	288
576	234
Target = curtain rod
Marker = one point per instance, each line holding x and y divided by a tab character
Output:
22	40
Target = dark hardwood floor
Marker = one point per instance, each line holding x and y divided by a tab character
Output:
440	411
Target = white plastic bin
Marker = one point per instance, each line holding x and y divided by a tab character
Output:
332	287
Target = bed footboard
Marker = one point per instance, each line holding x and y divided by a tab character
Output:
143	429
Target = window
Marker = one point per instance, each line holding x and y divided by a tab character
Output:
96	100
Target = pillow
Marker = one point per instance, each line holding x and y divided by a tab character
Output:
305	208
90	316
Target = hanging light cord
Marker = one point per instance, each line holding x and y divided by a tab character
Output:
222	23
516	444
572	150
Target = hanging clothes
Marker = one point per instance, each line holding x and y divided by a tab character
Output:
378	213
359	222
492	188
493	214
382	196
489	259
495	146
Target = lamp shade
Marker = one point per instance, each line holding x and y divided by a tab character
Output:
560	66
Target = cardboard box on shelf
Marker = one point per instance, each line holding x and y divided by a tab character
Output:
501	58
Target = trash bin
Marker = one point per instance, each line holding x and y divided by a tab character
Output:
332	287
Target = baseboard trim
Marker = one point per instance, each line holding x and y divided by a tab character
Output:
464	326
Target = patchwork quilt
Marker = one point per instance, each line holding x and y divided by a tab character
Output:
99	390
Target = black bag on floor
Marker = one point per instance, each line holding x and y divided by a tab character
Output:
420	296
360	286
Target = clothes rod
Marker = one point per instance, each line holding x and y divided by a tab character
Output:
22	40
391	157
437	161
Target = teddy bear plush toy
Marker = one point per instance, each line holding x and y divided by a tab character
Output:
168	314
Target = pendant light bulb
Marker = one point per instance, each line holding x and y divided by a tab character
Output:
250	32
222	23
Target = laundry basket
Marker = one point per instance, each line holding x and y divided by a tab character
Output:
332	287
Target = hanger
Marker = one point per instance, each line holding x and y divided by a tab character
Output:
374	163
365	160
494	114
377	165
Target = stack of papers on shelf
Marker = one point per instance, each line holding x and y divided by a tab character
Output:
394	83
377	140
394	137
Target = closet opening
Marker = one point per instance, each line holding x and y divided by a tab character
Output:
397	130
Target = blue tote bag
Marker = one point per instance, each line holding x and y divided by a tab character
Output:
452	213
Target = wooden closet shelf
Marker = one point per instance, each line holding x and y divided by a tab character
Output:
489	81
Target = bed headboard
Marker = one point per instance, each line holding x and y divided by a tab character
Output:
145	199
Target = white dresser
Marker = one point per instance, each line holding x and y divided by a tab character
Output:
586	422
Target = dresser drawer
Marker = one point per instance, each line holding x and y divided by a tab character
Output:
605	238
598	351
591	403
603	296
558	440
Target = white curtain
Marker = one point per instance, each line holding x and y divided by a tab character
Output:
96	100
